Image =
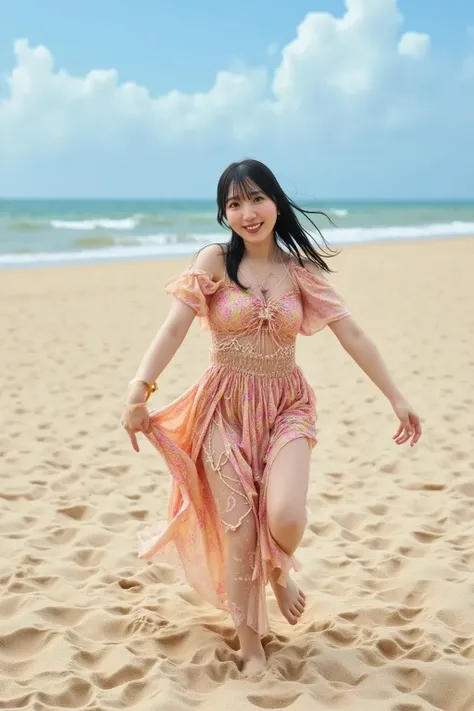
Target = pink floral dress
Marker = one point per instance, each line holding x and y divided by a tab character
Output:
220	438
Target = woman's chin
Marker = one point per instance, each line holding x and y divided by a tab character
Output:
259	237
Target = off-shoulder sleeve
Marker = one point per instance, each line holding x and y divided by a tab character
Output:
193	287
321	303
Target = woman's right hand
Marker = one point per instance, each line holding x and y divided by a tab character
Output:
137	420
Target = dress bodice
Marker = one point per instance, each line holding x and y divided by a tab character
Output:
251	334
234	311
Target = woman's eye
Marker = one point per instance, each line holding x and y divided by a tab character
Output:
259	197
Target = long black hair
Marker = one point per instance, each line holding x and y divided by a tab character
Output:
288	230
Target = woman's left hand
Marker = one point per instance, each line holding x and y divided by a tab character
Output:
410	426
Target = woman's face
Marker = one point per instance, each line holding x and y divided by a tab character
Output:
253	216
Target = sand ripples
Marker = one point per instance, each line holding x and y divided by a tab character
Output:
388	561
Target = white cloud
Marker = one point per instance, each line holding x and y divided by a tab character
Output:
414	44
342	56
50	108
339	79
347	76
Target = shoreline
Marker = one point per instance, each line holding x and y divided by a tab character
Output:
187	254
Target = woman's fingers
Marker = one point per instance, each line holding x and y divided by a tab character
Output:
405	435
399	431
409	427
403	432
417	431
134	441
135	422
131	431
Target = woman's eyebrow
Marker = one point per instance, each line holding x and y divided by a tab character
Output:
250	194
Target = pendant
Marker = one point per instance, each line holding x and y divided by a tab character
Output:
264	289
265	314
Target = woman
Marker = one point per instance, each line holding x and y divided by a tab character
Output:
238	442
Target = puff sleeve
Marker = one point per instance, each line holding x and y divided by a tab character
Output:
193	287
321	303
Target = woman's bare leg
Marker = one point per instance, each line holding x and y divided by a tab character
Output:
240	531
287	489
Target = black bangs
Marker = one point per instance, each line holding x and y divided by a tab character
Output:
242	188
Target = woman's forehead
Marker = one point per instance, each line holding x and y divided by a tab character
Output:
246	189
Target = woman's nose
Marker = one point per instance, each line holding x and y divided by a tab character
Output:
248	210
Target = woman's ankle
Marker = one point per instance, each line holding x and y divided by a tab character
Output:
250	642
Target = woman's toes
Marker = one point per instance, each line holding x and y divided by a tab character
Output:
291	600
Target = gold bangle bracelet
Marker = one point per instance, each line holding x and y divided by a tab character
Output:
150	387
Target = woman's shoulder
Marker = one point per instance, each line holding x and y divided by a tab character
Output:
211	259
305	265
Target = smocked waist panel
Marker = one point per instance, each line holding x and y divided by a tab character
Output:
242	359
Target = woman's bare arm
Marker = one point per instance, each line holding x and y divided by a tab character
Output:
365	353
162	349
173	331
362	349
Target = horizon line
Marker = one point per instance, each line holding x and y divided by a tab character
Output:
212	199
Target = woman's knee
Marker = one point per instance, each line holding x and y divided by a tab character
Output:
286	522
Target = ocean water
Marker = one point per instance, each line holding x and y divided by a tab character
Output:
49	232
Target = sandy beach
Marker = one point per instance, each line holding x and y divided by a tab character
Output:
387	557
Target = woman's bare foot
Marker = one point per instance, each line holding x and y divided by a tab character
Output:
254	665
252	651
291	600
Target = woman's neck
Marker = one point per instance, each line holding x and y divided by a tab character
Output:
264	252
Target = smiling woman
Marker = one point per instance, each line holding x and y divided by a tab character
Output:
238	443
253	205
237	217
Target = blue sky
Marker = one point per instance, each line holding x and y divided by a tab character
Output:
334	96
